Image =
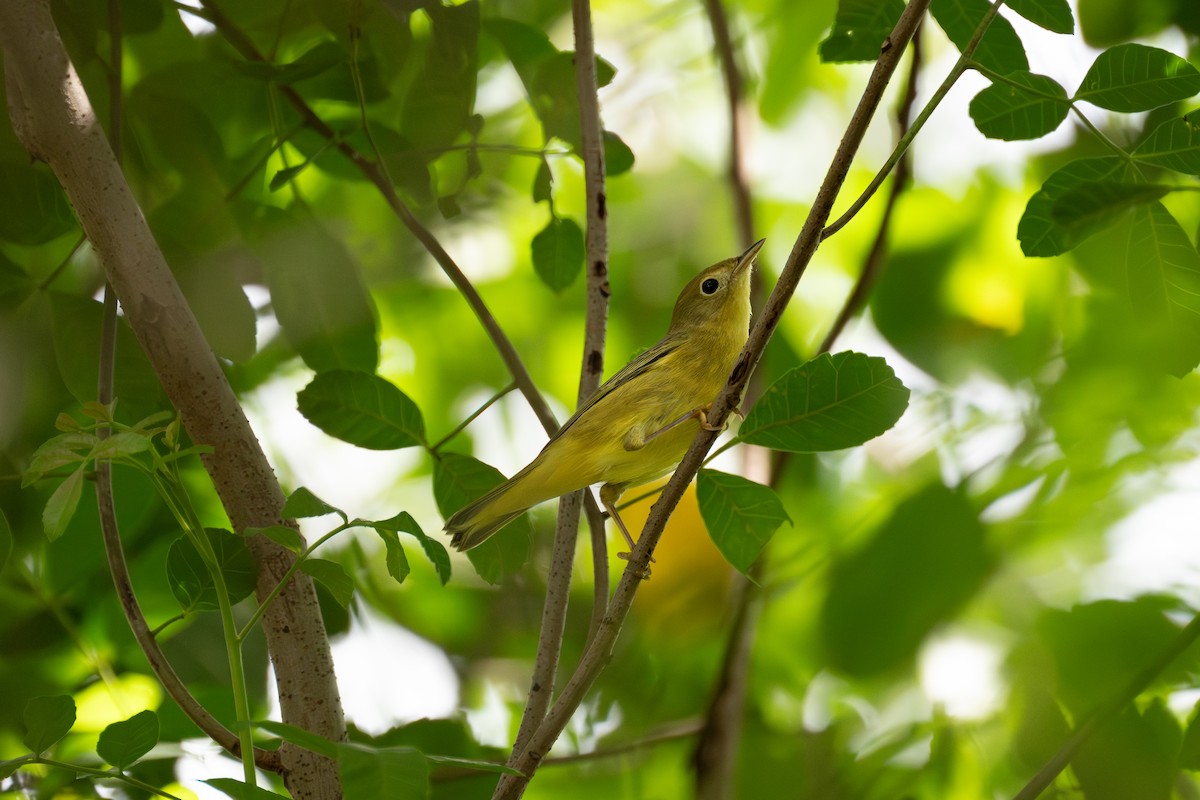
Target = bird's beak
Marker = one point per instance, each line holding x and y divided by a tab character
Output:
747	258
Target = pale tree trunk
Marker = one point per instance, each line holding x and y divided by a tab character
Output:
54	120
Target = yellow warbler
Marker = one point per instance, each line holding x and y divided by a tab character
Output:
632	429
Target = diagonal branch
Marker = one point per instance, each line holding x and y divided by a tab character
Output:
55	122
806	245
372	171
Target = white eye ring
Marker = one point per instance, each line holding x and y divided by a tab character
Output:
710	286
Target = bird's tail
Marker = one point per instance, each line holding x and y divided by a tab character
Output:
475	522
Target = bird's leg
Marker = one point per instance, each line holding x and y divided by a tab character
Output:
609	494
700	414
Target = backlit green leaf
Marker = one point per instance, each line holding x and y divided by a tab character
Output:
47	719
459	479
281	535
57	452
395	560
33	207
1175	144
434	550
303	503
1164	282
192	582
741	515
860	29
240	790
62	504
362	409
1053	15
831	403
916	571
123	743
6	540
400	772
1134	77
300	737
1000	49
320	300
332	576
1032	108
558	253
618	158
1039	231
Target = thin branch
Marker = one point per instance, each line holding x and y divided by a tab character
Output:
562	558
714	755
960	66
54	120
374	173
474	415
597	655
1058	762
876	257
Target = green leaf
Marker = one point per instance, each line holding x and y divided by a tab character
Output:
189	576
440	111
288	174
121	444
1039	231
860	29
33	207
123	743
303	503
56	452
362	409
47	719
558	253
1164	283
1036	106
62	504
399	772
741	515
1130	633
1094	205
618	158
1130	755
281	535
1134	77
472	763
397	562
542	182
319	58
240	790
310	741
332	576
830	403
1175	144
434	550
1000	49
459	479
320	300
916	571
1053	15
6	540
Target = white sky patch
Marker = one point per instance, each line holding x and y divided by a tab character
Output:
197	25
961	673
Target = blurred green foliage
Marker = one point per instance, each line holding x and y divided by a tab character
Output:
1046	324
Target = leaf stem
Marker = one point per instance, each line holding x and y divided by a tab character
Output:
474	415
960	66
112	774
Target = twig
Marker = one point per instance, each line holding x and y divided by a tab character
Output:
374	173
596	655
110	533
562	558
474	414
715	751
55	122
874	263
1058	762
960	66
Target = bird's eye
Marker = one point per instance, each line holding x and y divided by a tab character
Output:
710	286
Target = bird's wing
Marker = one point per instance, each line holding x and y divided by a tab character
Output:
634	369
